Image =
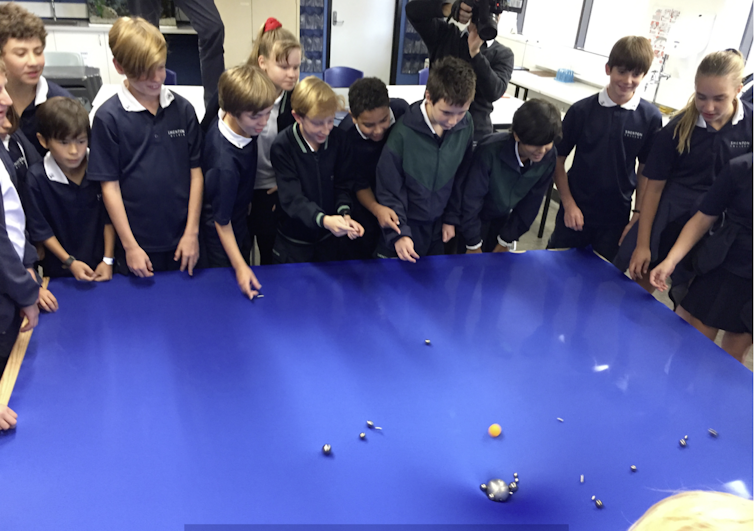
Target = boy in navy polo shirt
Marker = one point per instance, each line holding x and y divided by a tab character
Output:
146	150
509	176
229	162
66	213
609	130
418	174
372	114
22	45
310	159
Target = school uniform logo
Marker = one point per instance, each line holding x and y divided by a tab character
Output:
634	134
739	144
20	163
175	133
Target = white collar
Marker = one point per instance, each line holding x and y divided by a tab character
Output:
42	89
518	157
737	117
6	142
131	104
237	140
53	171
308	144
630	105
392	121
423	108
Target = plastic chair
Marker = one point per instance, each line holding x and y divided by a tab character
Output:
423	76
63	59
171	78
342	76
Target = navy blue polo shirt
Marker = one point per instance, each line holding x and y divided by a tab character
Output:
28	124
696	168
152	157
229	163
23	155
608	138
732	193
365	153
74	214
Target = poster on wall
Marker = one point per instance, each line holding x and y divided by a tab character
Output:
659	31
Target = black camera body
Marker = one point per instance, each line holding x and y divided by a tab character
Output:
485	12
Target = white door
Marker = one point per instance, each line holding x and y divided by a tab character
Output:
362	36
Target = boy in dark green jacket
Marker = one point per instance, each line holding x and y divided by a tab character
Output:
509	175
418	174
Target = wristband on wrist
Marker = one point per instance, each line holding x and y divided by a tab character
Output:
475	247
510	246
635	211
69	261
109	261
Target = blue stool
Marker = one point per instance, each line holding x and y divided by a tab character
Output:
342	76
423	76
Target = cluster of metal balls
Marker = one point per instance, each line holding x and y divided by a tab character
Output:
498	490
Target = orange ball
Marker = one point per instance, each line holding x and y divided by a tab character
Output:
495	430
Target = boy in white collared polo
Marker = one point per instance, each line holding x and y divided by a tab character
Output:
146	150
66	213
22	44
609	130
229	162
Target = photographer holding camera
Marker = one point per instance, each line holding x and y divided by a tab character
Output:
492	62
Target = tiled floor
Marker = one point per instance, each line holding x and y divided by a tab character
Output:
529	241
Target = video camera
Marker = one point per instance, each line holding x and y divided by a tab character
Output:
485	12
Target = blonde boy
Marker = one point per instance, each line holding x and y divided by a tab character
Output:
311	159
229	163
146	150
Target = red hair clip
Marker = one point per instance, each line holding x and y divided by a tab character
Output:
271	24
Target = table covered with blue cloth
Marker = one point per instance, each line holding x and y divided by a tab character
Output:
175	403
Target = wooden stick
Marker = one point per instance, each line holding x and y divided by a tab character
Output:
8	380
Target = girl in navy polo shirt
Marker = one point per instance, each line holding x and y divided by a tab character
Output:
720	297
714	127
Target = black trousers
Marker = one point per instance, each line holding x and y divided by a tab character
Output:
288	252
262	224
604	240
427	240
206	21
8	339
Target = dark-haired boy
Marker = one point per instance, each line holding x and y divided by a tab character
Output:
610	130
372	113
229	163
22	45
418	174
66	213
509	175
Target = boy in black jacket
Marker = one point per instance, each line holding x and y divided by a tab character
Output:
311	161
492	62
509	176
418	174
372	115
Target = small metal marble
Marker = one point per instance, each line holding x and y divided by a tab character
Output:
598	503
426	342
582	478
594	498
362	435
633	468
683	443
686	437
512	487
712	432
560	420
327	449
